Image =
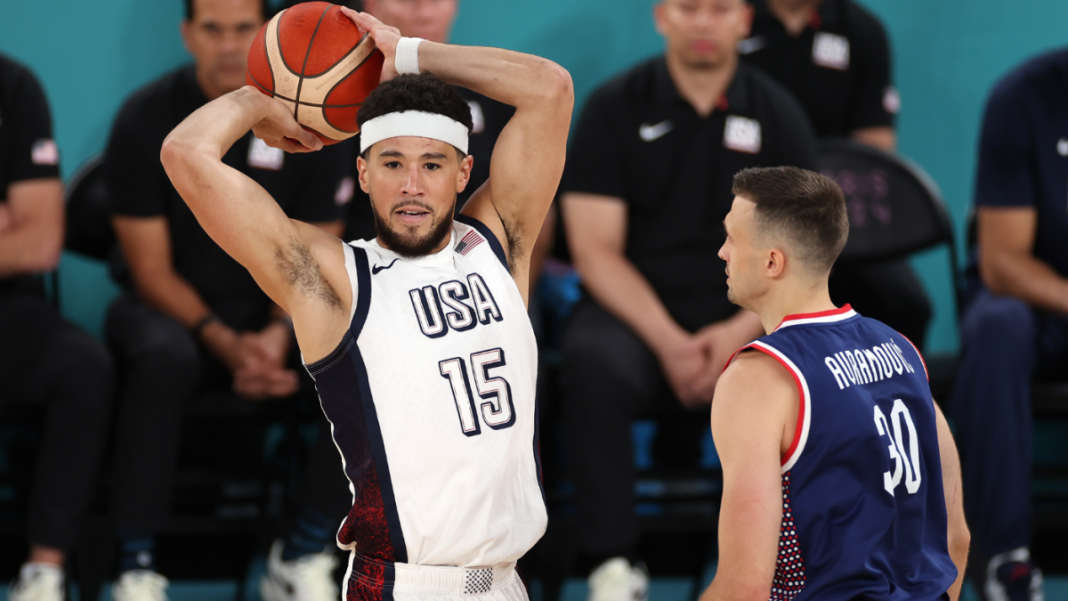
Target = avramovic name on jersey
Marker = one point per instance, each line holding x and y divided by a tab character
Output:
865	366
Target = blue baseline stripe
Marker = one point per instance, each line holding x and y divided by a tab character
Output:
374	431
490	237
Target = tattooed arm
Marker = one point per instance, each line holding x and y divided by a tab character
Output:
301	267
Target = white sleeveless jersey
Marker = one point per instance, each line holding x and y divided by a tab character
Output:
431	398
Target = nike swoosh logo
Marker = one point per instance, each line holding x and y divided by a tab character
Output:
649	133
377	268
751	45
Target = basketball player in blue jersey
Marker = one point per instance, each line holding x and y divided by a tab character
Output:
419	341
840	476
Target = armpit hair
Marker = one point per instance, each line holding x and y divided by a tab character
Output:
516	248
302	272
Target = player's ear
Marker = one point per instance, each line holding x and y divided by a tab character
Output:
658	16
361	175
746	26
776	263
464	175
185	28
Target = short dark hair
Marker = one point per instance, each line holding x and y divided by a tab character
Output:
807	208
265	10
422	92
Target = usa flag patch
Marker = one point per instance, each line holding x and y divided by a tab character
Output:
471	240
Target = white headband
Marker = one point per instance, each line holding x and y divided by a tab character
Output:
418	124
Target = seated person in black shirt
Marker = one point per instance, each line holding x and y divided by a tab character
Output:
835	58
646	189
191	318
44	360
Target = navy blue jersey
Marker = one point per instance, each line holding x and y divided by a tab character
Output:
864	516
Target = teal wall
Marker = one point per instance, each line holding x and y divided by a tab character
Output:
947	54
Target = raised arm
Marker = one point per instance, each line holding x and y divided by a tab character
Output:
298	265
755	400
528	159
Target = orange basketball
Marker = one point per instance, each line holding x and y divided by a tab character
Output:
320	64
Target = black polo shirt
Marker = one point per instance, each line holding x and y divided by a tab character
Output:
27	150
1023	151
638	140
488	118
838	67
308	187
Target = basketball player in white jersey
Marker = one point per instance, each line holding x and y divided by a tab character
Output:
419	341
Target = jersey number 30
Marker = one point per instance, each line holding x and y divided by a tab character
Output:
496	394
909	461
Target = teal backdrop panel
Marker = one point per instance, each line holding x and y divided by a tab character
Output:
947	53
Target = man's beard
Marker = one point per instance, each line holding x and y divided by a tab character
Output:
409	246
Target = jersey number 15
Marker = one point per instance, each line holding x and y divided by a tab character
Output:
496	394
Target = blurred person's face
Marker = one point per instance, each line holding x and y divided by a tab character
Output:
413	184
703	34
219	36
428	19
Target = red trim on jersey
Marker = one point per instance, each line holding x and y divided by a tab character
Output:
722	104
920	355
800	394
815	22
844	309
731	360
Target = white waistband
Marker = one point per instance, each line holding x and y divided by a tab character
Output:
450	580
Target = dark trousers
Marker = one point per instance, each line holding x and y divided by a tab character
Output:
1005	344
889	292
162	367
608	378
49	362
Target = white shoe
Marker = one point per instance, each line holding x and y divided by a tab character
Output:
140	585
1012	576
617	580
308	578
38	582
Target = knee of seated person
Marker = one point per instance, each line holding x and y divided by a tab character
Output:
605	363
171	347
1002	320
596	350
88	364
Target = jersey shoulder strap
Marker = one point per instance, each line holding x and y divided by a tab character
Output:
356	265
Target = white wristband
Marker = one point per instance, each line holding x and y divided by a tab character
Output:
407	59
